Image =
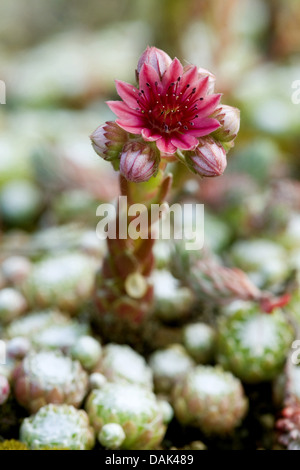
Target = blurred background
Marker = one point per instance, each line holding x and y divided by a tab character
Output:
59	60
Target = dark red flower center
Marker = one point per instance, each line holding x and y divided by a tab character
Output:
173	110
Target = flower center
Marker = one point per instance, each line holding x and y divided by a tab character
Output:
173	110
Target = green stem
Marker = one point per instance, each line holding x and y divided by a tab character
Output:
123	285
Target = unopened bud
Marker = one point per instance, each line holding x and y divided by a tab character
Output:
159	60
108	141
138	162
229	119
208	159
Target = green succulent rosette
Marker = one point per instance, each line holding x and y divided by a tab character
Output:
62	281
210	399
49	377
58	426
134	408
254	345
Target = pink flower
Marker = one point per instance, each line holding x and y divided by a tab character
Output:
138	162
209	158
172	109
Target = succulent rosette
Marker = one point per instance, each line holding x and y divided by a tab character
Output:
15	269
60	337
264	260
87	350
169	366
172	301
34	322
170	113
254	345
120	363
58	427
63	281
199	340
49	377
12	304
134	408
210	399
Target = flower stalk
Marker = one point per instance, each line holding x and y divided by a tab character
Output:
170	116
123	286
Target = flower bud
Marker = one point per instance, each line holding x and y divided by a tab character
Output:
159	60
229	119
108	141
208	160
138	162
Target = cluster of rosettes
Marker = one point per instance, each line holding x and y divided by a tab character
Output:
174	113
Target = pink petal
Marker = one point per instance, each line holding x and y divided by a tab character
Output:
201	85
150	135
127	92
190	77
122	110
165	145
129	127
202	88
204	127
184	141
148	75
174	71
208	105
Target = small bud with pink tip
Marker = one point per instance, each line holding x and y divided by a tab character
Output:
139	162
208	159
229	119
108	141
159	60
